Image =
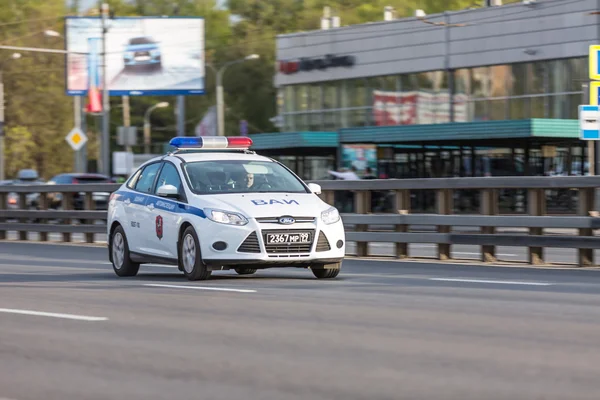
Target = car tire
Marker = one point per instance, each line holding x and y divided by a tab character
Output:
245	271
328	271
121	262
190	257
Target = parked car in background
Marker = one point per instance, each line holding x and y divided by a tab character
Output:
100	199
25	177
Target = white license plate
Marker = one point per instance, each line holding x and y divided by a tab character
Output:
142	58
288	238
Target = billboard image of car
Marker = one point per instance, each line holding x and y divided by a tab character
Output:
142	51
144	55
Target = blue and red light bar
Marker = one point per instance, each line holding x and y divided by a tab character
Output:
212	142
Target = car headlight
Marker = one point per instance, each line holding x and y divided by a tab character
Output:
129	54
225	217
330	216
154	52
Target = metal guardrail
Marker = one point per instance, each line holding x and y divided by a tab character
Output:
367	227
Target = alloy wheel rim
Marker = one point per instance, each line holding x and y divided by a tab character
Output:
189	254
118	250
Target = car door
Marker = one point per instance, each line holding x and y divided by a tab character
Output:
139	221
165	213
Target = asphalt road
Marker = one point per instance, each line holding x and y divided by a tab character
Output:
70	329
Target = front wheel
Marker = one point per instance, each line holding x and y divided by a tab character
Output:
190	257
122	264
327	271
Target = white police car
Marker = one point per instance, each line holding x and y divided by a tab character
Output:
212	204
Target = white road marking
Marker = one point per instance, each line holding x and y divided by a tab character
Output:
478	254
201	288
493	282
52	315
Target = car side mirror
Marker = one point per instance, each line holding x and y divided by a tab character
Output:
168	191
316	189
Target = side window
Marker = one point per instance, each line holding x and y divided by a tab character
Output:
169	176
146	179
134	178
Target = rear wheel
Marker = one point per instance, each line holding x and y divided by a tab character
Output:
122	264
190	257
327	271
245	271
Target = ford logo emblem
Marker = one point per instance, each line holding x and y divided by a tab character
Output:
286	220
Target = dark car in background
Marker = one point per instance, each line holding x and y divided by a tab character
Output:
24	177
100	199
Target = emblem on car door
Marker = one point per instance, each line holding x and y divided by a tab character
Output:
159	227
286	220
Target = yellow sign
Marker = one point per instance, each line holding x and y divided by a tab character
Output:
594	92
593	57
76	139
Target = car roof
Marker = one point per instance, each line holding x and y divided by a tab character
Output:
225	155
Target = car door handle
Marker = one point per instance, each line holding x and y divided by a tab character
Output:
127	202
150	206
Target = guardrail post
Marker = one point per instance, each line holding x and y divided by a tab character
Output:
328	196
89	205
362	200
536	203
445	206
489	206
23	206
585	257
67	201
402	207
3	206
43	206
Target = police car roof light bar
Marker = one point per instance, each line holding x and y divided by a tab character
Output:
211	143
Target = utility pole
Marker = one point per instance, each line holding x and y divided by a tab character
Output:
591	146
126	118
105	142
2	133
79	167
180	113
220	111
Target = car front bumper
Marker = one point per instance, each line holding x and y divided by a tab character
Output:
246	245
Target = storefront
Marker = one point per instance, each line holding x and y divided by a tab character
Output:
512	62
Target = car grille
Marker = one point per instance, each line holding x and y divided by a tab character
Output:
141	53
323	243
275	220
250	245
273	249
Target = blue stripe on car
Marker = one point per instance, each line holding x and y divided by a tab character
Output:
160	203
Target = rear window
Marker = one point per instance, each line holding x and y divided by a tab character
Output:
92	179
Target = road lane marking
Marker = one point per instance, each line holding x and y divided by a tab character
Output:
52	315
490	281
201	288
478	254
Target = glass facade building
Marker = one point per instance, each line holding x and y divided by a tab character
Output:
542	89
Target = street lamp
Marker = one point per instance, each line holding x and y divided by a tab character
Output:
147	124
220	72
51	33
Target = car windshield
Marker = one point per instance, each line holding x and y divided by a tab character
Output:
241	176
141	40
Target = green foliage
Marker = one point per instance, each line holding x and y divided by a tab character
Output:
39	114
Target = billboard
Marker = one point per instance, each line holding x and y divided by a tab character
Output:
359	156
144	55
417	107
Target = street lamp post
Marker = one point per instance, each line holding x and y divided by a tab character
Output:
147	124
220	102
105	142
